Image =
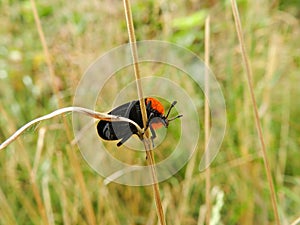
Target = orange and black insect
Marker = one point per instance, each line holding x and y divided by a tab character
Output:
119	130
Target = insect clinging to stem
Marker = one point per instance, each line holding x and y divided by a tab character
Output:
119	130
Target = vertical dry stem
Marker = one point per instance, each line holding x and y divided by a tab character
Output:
146	140
132	42
257	121
207	120
72	157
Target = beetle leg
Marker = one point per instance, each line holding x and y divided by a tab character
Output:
152	132
153	135
148	121
124	139
148	106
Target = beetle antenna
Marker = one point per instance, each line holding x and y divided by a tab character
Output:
174	118
172	105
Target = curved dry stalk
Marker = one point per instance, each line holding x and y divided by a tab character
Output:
88	112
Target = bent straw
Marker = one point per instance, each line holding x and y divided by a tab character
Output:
88	112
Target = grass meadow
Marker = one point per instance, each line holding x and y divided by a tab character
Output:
45	180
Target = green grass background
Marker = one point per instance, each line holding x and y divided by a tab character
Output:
65	190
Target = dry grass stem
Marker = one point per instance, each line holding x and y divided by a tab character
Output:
257	121
6	211
40	145
134	52
207	120
88	112
45	49
296	222
72	157
146	136
47	200
62	191
119	174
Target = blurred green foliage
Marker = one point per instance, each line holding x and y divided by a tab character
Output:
77	32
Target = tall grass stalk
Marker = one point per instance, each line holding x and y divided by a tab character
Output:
72	157
6	212
257	121
207	120
62	191
47	200
146	138
33	185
